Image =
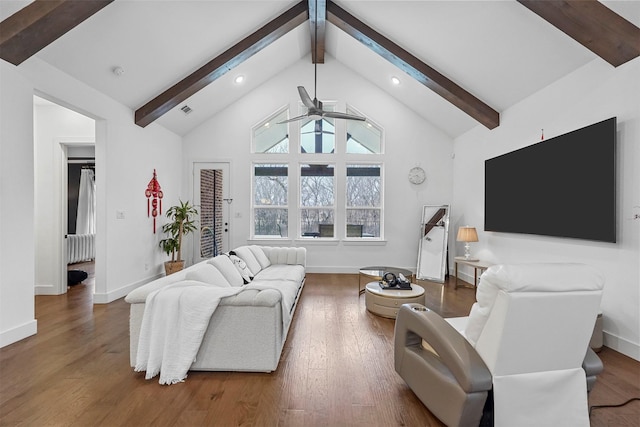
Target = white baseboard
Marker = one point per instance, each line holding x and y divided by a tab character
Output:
621	345
466	277
102	298
328	270
46	290
18	333
343	270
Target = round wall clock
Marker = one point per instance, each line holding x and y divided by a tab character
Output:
417	175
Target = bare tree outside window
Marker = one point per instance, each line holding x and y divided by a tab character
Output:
317	187
357	205
364	200
270	214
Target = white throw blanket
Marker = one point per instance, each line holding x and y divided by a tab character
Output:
173	325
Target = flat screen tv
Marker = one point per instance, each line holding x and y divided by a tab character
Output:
563	186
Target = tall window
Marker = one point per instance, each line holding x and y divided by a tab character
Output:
270	202
363	201
317	186
318	136
271	137
336	180
363	137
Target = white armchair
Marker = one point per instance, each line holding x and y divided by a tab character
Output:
525	340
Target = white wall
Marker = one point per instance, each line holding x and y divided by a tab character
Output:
53	125
409	140
126	154
16	207
593	93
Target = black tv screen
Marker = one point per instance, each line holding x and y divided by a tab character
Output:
563	186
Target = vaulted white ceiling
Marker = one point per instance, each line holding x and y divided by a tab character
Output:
498	50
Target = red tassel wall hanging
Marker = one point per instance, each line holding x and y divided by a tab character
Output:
154	193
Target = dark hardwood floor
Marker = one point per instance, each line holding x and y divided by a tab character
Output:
336	370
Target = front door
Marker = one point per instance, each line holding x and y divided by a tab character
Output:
211	195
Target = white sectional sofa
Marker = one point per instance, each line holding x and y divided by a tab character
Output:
247	331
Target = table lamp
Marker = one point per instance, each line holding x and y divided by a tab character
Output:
467	234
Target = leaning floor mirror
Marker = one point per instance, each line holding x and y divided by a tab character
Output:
432	251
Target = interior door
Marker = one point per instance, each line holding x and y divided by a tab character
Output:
211	195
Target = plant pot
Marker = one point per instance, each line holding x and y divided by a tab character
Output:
173	266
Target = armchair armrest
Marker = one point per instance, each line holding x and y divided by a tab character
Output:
415	323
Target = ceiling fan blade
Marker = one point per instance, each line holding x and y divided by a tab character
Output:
318	132
337	115
306	99
293	119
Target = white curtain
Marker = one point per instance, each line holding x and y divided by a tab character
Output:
86	218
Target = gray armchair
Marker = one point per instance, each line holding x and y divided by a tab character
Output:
446	374
525	341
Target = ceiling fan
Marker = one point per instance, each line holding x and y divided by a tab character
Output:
314	106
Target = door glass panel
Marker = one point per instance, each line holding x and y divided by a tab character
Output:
211	196
210	213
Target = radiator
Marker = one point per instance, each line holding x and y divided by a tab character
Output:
80	247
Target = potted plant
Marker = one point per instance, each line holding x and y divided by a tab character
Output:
183	222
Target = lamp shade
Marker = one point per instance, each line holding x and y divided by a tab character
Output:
467	234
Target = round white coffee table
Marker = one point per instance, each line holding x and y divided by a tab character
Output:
368	274
387	302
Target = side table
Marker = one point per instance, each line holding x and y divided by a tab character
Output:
387	302
476	264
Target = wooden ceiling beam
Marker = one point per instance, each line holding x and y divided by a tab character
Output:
221	64
318	25
593	25
40	23
413	66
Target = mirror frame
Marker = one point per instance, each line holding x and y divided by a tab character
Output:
433	216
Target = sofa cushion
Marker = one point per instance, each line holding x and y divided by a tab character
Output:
282	272
262	258
285	255
242	268
228	270
249	258
207	273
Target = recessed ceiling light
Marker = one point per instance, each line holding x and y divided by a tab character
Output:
239	79
118	71
267	124
395	80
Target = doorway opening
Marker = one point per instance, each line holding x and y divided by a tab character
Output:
81	216
60	134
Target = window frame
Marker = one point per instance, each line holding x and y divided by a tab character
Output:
262	123
254	206
380	208
332	207
338	159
